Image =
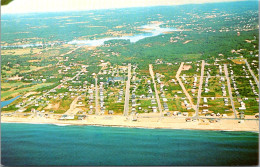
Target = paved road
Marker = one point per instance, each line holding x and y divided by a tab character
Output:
183	87
155	89
229	90
252	73
126	105
96	97
200	87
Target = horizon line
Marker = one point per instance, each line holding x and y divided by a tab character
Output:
123	7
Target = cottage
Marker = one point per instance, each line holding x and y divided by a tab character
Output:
188	119
185	114
154	109
110	112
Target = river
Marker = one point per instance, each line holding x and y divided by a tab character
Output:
150	30
4	103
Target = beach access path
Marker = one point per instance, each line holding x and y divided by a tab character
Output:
183	87
73	110
96	96
200	87
230	90
155	89
127	91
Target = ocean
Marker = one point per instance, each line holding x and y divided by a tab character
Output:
45	144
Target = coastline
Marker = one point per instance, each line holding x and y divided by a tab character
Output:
146	123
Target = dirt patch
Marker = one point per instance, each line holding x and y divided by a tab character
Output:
53	106
31	61
156	22
186	67
187	41
238	61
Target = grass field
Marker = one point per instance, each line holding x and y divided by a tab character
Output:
8	94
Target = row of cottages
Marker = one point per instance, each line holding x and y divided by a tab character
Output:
178	113
253	87
220	70
242	105
226	101
195	82
120	95
205	105
101	94
223	89
165	105
193	90
255	65
207	80
197	70
174	81
244	69
184	79
187	105
67	117
91	99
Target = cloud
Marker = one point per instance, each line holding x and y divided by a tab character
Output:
29	6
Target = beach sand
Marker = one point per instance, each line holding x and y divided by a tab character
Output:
154	122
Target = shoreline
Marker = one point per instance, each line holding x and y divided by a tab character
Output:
132	127
174	124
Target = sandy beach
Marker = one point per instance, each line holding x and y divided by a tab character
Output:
163	123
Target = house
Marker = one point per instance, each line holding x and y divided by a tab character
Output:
205	100
205	111
241	115
188	119
179	114
185	114
66	117
175	113
168	114
154	109
110	112
153	101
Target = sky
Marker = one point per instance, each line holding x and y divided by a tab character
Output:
29	6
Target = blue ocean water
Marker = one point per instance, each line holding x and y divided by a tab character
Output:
43	144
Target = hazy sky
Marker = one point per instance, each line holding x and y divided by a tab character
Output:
28	6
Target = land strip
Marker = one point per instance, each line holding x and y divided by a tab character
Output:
126	105
252	73
183	87
155	89
200	87
229	90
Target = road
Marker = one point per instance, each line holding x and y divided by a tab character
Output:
96	97
252	73
200	87
155	89
127	90
69	52
229	90
73	110
183	87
